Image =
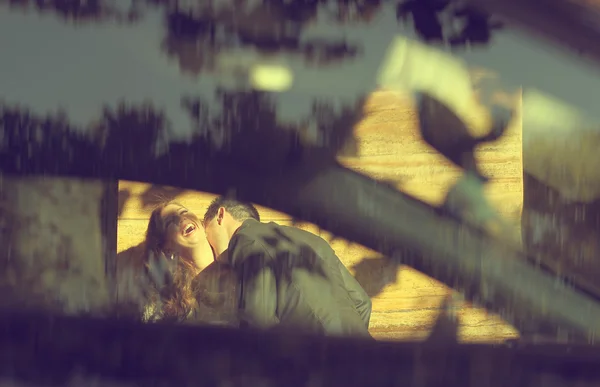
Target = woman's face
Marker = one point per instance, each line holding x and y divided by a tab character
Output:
182	229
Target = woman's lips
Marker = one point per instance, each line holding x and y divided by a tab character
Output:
188	229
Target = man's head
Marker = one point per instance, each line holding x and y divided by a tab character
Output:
222	218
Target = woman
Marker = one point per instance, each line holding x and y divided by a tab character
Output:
187	285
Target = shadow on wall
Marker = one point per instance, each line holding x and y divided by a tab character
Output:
374	274
197	23
565	229
152	197
132	258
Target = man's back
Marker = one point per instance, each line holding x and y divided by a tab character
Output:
293	279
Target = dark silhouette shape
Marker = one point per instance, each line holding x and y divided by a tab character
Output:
280	22
251	129
432	28
80	11
477	30
129	288
445	329
447	133
144	125
374	274
443	335
424	17
157	194
63	350
123	197
270	27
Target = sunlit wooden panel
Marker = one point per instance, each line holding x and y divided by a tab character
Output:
131	232
478	325
406	303
473	325
391	149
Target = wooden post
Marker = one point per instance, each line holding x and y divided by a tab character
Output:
109	209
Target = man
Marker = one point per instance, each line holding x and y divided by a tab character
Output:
290	278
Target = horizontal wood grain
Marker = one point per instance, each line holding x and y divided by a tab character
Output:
390	148
406	303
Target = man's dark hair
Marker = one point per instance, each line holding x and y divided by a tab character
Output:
238	209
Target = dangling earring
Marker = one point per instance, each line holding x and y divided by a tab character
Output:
172	256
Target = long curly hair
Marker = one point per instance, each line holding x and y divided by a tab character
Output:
175	299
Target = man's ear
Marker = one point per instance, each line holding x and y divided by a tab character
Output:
220	215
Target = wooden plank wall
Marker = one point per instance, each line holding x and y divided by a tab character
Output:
405	302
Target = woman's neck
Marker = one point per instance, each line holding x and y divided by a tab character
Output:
203	258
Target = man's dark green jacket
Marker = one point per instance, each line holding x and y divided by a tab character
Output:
291	278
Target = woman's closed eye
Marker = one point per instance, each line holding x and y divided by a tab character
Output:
172	221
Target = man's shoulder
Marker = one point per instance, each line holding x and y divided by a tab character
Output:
252	234
253	230
247	241
294	230
250	228
308	239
